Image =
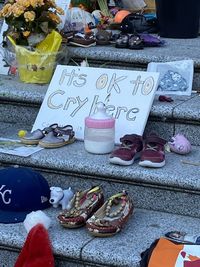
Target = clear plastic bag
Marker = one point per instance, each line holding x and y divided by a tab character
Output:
133	4
37	65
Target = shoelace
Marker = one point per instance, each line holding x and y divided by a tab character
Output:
151	147
126	146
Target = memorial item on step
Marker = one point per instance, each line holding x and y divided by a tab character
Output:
83	205
153	153
122	40
183	238
138	23
99	133
176	77
135	42
53	136
180	144
37	248
58	196
103	37
74	93
33	138
134	5
170	254
77	20
129	150
31	31
150	40
15	147
83	40
59	137
35	217
23	190
164	98
120	15
112	216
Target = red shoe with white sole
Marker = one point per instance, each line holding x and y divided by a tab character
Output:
129	150
153	153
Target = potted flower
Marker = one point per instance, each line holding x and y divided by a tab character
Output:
31	29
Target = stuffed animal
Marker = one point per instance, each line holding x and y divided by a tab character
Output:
58	196
180	144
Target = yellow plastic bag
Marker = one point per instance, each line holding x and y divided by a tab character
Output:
38	66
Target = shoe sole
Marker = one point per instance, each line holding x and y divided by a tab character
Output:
102	235
118	161
56	145
148	163
82	45
70	226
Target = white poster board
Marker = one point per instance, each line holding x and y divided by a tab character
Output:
74	92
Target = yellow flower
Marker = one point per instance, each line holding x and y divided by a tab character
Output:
51	3
34	3
17	10
23	3
40	2
26	33
54	17
29	16
60	10
22	133
5	11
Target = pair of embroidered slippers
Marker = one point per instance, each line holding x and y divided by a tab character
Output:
52	136
101	218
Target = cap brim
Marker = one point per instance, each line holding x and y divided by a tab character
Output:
12	216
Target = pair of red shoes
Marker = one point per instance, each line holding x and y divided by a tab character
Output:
150	150
101	218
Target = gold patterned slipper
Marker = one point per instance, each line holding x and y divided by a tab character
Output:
111	217
83	206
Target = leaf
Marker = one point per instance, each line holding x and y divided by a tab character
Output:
44	26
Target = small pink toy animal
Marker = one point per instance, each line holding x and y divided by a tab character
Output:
180	144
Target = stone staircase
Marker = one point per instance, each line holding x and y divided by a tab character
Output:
165	199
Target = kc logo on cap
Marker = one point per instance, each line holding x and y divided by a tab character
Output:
22	190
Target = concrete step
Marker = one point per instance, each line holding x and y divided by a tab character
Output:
111	57
20	102
76	248
175	188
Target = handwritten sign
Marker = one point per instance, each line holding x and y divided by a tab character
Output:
74	92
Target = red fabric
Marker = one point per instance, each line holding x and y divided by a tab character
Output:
37	251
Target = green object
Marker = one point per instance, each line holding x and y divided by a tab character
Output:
104	7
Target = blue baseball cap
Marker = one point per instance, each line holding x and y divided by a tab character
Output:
22	190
